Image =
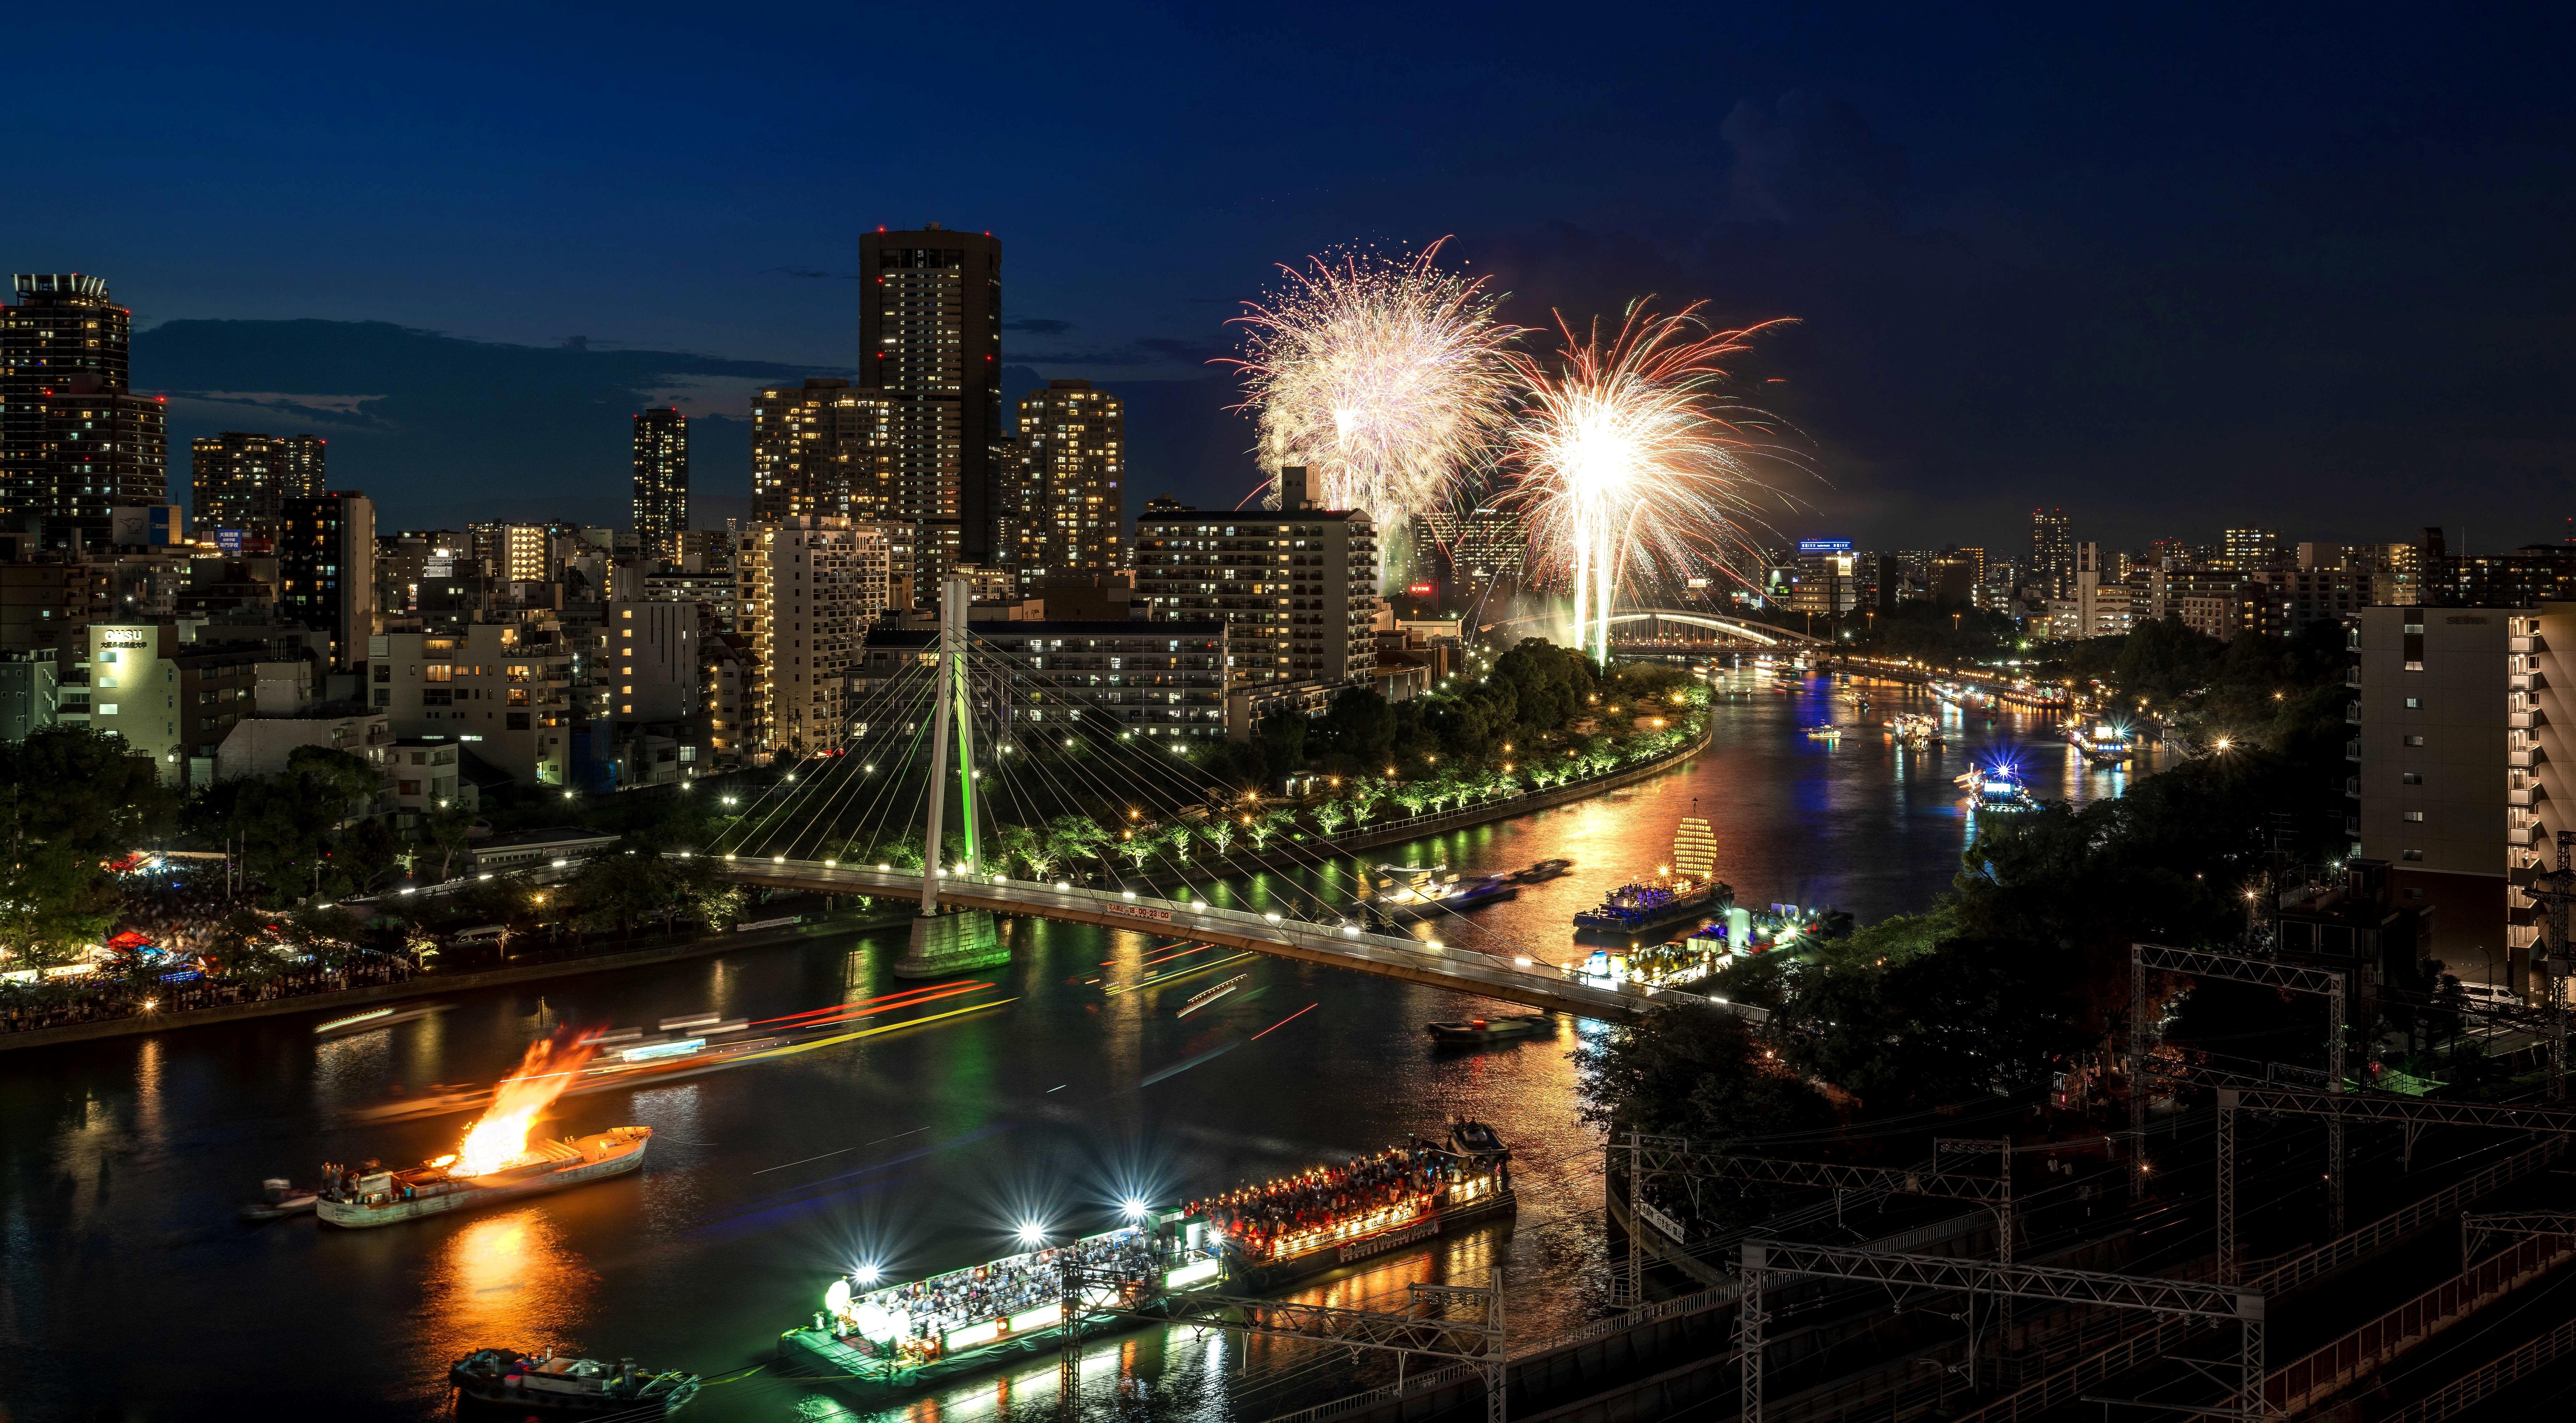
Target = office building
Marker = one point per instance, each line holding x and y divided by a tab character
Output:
930	339
1072	461
326	559
2051	573
661	481
1296	587
1480	553
241	480
822	449
74	442
500	690
809	585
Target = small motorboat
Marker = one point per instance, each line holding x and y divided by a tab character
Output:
547	1386
1477	1031
1543	870
278	1199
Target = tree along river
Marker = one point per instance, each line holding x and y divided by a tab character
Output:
128	1289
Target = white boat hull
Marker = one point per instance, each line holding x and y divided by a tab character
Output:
357	1215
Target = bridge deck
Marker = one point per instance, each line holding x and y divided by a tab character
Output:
1534	984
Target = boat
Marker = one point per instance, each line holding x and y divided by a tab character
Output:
1411	892
631	1059
1477	1031
544	1385
1682	890
1996	790
1543	870
278	1199
373	1018
2104	741
874	1339
1276	1232
1914	729
360	1200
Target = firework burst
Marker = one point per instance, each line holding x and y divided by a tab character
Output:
1387	379
1631	464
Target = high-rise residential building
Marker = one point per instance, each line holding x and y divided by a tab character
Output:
661	481
2051	573
822	449
74	441
1073	454
326	558
2254	550
1477	549
241	479
809	586
930	338
514	553
1296	587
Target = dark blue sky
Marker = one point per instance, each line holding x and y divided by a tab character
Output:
2314	269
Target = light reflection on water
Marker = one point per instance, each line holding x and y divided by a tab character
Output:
506	1279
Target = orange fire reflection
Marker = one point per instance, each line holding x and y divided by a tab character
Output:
499	1138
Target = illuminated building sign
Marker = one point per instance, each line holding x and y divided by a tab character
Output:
1824	545
1419	590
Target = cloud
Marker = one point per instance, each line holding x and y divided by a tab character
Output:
1039	325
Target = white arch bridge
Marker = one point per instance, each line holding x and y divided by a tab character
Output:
1759	634
1513	979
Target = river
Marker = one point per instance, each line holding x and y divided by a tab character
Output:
127	1289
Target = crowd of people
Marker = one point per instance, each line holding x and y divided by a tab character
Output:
927	1309
1255	1219
166	923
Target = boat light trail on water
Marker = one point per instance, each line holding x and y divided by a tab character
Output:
499	1137
1207	996
883	1028
892	1003
1385	377
1628	462
1176	975
881	1001
1293	1017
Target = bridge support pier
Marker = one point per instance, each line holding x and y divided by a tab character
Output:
954	942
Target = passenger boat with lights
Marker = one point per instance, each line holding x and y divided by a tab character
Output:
2103	741
1997	790
1684	889
546	1386
876	1338
1409	892
1331	1216
1474	1032
360	1199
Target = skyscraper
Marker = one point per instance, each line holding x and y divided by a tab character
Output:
930	337
822	449
2052	553
242	480
74	442
661	481
1073	441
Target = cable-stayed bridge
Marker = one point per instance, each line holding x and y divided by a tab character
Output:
1066	778
1740	630
1516	980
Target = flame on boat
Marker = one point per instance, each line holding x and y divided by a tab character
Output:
499	1138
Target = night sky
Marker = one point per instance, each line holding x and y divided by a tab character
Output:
2310	270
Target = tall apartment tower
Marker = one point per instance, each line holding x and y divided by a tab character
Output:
810	585
822	450
326	565
2052	553
74	442
241	479
1073	446
513	553
2254	550
661	481
1296	587
930	338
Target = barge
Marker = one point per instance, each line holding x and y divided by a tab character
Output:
361	1199
1475	1032
1683	891
519	1385
1322	1219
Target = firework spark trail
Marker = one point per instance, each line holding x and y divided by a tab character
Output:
1388	379
1628	461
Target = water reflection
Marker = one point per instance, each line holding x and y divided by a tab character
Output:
506	1280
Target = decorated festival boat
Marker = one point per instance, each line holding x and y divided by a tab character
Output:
1329	1216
